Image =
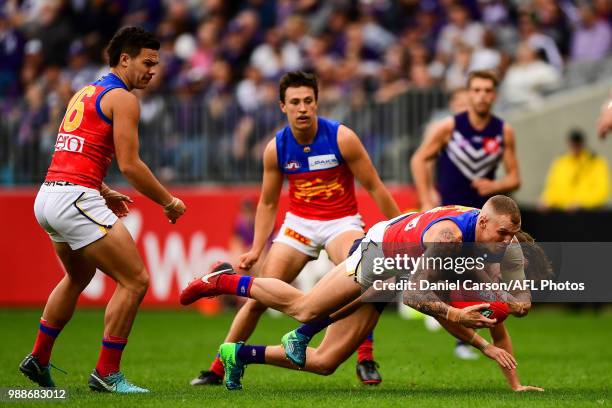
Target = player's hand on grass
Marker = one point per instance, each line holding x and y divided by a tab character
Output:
503	358
174	209
248	260
471	317
524	388
116	202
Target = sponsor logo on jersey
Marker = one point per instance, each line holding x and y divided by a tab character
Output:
292	165
69	143
321	162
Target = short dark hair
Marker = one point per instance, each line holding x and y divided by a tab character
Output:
504	205
295	79
483	74
576	136
130	40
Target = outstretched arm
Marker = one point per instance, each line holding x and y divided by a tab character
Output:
266	208
504	358
439	240
501	339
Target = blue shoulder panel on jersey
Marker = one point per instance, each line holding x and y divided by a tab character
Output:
280	148
330	133
110	82
466	223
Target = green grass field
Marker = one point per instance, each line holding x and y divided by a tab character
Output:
568	354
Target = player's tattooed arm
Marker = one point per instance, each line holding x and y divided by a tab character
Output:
442	239
447	235
430	307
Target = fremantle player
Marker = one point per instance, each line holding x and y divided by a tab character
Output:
320	159
468	148
497	222
328	356
80	213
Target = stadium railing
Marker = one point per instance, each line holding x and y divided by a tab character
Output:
190	140
193	141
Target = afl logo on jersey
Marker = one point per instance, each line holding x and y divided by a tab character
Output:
69	143
292	165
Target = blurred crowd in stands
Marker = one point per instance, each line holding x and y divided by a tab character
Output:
221	59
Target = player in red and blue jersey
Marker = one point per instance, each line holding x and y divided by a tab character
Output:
328	356
80	213
320	158
467	148
497	222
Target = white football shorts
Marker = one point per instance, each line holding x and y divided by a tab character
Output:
73	214
310	236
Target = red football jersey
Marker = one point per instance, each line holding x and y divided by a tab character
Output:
84	147
321	184
410	228
323	195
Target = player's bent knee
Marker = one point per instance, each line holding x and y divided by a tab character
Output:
143	282
139	283
324	368
304	315
305	309
77	284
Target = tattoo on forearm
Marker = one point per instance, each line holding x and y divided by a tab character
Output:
433	308
427	301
